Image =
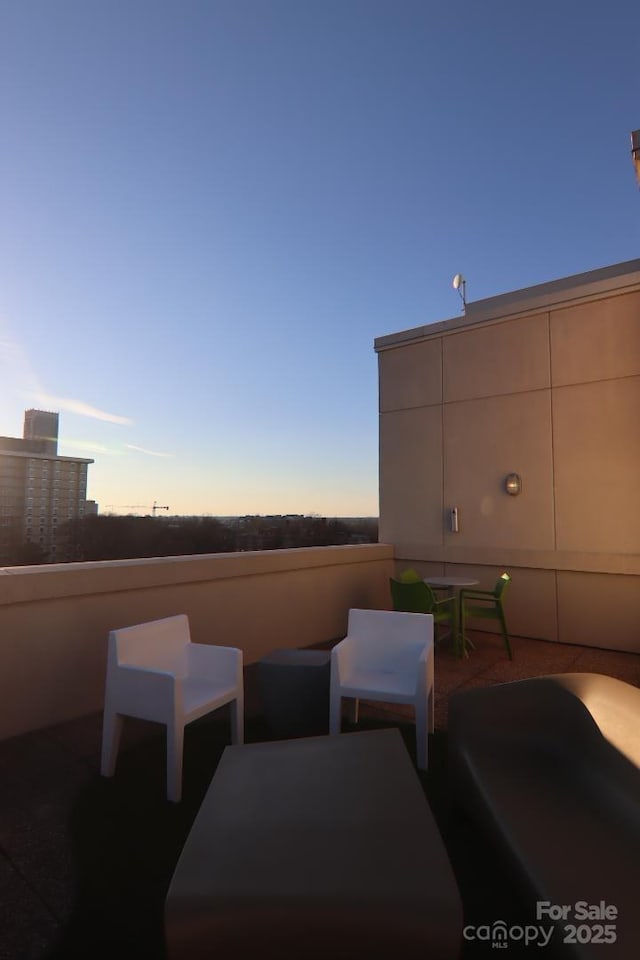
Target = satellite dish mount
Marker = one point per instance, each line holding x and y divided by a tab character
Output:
460	284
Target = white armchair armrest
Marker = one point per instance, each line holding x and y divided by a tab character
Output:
219	663
340	659
152	692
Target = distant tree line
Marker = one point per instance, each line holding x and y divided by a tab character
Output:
108	537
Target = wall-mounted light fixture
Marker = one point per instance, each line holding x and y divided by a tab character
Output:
513	484
453	520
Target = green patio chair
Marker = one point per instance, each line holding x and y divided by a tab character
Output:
416	596
412	576
487	604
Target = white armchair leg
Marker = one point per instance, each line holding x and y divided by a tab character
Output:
175	743
335	713
355	711
111	732
422	721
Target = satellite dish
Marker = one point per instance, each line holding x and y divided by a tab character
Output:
460	284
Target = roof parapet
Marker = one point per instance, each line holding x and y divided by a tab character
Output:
579	286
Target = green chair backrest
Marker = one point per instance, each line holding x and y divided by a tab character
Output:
412	597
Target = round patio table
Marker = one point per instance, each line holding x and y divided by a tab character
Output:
455	583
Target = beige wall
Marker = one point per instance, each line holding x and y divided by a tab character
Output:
596	439
54	620
411	475
484	440
474	359
553	395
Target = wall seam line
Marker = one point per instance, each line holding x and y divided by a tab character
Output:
553	475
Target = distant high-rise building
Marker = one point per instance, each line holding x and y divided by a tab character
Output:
42	425
39	491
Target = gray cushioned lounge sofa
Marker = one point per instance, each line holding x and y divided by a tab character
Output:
549	769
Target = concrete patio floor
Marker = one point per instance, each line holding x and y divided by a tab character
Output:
47	775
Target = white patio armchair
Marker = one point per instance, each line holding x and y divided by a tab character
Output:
155	672
386	657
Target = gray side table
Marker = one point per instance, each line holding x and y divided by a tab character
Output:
294	689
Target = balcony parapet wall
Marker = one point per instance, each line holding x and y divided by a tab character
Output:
55	618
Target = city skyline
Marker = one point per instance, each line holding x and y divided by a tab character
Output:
210	210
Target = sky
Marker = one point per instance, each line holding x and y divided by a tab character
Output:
209	210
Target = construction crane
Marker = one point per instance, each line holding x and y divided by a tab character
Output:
136	506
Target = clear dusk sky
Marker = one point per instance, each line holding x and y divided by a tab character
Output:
208	210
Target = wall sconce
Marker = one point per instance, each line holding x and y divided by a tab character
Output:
513	484
453	520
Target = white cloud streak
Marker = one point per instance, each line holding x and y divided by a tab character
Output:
149	453
89	447
51	402
19	377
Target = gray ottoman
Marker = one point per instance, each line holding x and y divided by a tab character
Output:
294	689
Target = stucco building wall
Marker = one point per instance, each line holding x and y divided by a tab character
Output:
545	383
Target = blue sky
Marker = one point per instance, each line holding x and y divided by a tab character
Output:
208	210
